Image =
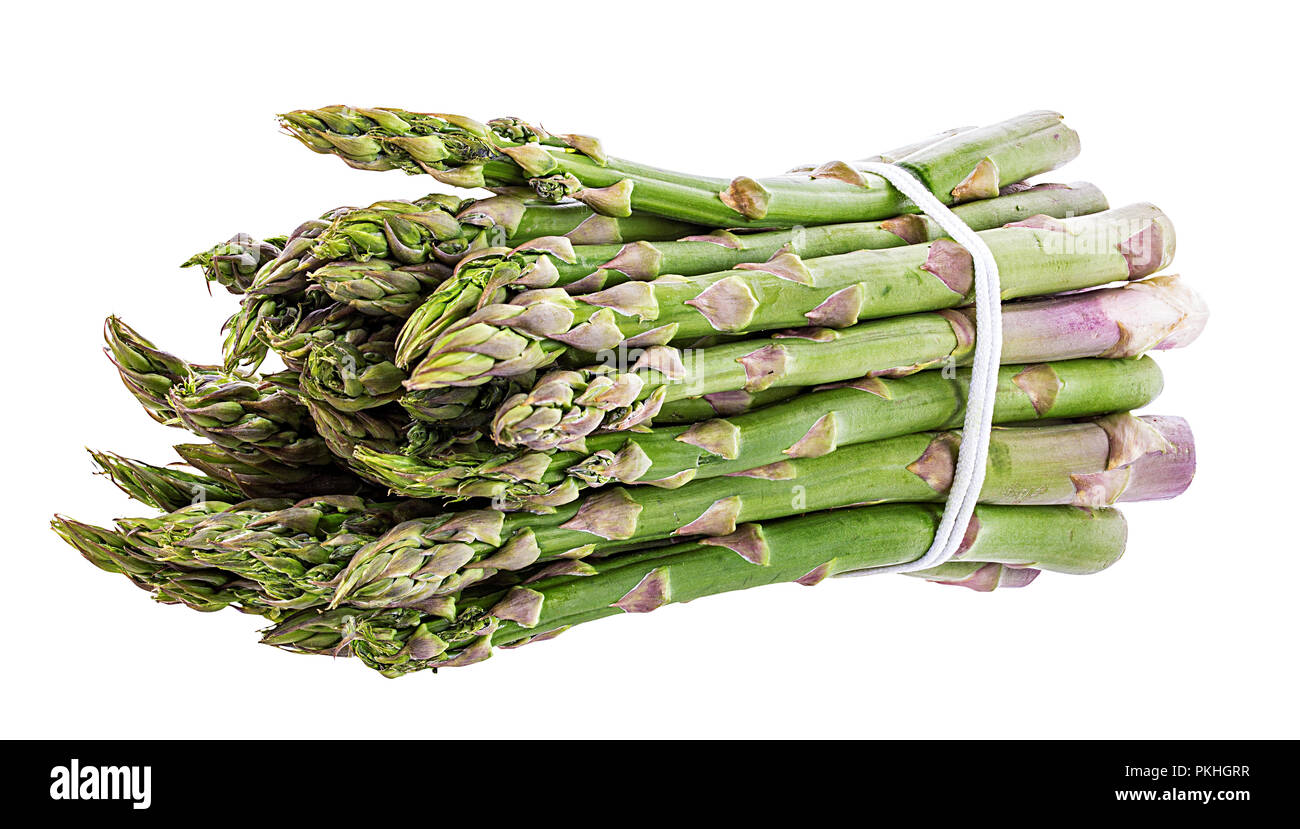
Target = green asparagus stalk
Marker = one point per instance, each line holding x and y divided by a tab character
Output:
256	477
287	274
148	373
444	418
441	228
386	258
281	268
210	589
243	414
289	552
509	152
308	633
564	406
1038	256
417	232
547	263
307	425
205	590
379	288
234	264
584	269
406	241
814	424
352	389
803	550
165	488
281	555
1094	464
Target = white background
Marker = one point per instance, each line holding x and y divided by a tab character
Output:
135	135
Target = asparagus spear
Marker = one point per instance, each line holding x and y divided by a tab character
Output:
287	552
148	373
448	420
244	414
242	345
382	287
279	554
347	370
377	287
205	590
348	260
564	406
507	151
405	242
596	267
417	234
1037	256
289	555
211	589
1094	464
817	423
804	550
278	299
234	263
443	228
470	405
256	477
550	263
165	488
443	418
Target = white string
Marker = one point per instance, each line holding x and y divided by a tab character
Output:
977	427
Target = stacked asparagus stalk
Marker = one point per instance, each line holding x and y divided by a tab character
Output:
607	387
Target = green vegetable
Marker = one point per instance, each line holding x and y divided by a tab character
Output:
204	590
549	263
655	387
1092	464
1035	257
464	153
868	409
440	228
234	264
565	406
256	477
805	550
164	488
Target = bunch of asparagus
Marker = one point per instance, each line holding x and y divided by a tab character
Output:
606	387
